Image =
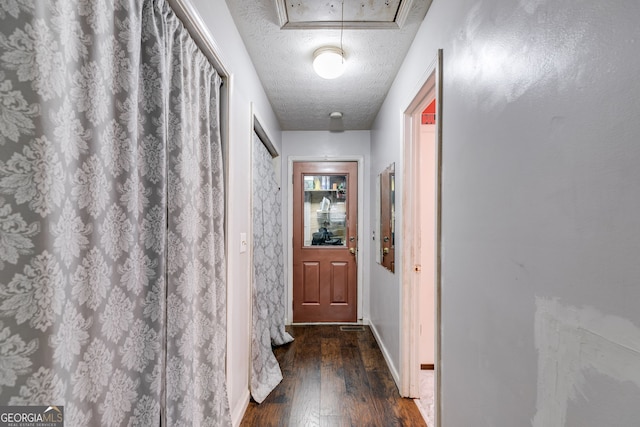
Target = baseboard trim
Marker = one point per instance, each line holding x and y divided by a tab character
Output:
427	366
385	354
237	413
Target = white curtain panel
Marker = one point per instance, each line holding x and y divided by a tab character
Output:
268	275
112	284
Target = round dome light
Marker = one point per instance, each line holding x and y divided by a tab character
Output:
329	62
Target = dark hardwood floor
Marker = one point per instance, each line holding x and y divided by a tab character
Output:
333	378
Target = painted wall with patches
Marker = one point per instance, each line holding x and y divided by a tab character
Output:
541	202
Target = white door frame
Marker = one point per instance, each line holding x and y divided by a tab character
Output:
430	84
360	229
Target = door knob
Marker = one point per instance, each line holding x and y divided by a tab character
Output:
352	250
385	251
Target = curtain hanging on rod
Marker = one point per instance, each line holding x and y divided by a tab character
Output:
268	275
112	292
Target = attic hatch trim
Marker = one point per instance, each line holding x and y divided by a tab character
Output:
400	19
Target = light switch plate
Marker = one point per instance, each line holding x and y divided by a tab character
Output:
243	242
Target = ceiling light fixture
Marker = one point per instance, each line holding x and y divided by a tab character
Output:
328	62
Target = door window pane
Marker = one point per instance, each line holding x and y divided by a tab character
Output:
325	210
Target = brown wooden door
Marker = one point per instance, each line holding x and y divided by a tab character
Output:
325	213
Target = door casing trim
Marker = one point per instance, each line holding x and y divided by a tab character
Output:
359	253
431	82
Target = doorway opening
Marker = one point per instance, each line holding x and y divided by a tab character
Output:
421	232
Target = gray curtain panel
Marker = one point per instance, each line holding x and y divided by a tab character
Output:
268	275
112	283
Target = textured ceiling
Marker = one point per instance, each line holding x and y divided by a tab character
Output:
282	57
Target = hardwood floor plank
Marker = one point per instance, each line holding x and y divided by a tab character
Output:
332	386
387	398
335	421
362	410
305	402
333	378
371	355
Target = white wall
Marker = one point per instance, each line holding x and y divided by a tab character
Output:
541	271
319	144
245	90
384	286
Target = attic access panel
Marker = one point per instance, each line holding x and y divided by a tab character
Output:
365	14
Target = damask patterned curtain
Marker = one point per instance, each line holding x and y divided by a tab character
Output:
112	281
268	275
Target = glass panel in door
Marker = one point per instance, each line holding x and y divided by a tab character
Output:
325	210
